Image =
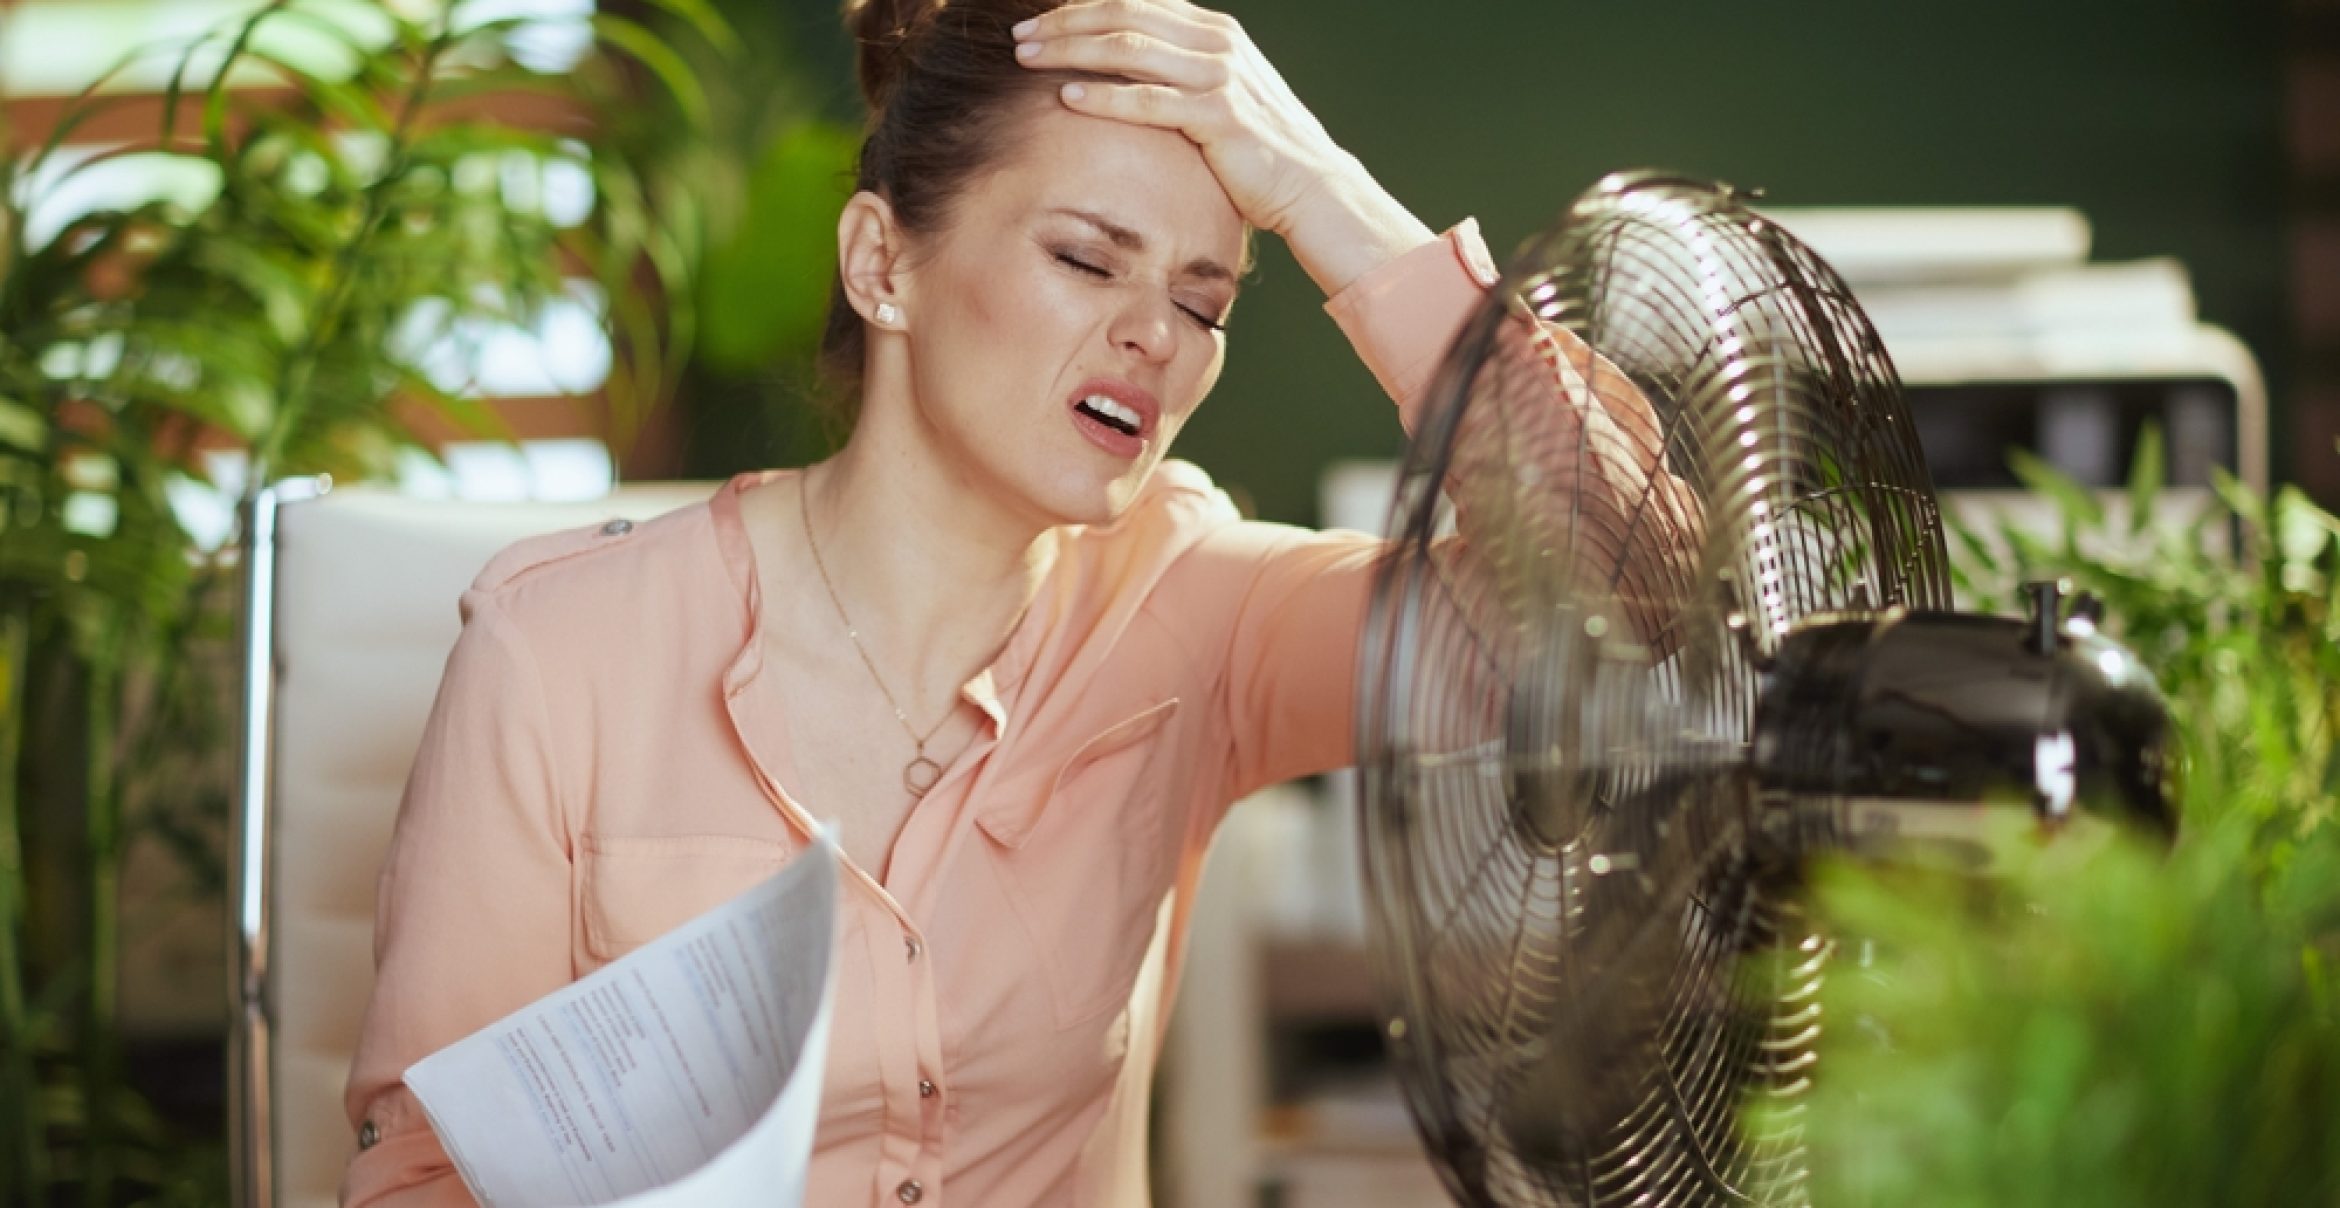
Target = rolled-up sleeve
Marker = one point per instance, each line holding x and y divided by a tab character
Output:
473	907
1403	316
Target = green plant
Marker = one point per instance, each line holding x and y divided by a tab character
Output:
2111	1023
361	211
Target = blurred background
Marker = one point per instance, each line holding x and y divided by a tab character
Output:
2206	134
625	216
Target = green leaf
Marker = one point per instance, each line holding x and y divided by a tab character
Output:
351	103
503	79
91	102
2146	470
217	92
2076	505
647	48
704	20
2238	498
2298	528
21	427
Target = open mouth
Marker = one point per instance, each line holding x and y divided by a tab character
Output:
1122	419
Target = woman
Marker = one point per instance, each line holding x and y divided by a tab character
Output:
1022	661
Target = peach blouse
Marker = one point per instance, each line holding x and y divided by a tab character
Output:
606	759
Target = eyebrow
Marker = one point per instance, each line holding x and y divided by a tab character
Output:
1130	241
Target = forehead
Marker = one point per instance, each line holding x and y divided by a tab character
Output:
1154	182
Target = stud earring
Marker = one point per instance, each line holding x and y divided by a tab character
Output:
888	314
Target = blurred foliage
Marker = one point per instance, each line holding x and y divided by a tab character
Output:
371	215
2109	1022
758	309
772	175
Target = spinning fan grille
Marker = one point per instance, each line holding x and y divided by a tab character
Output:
1668	437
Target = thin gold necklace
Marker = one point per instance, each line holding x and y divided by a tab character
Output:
921	772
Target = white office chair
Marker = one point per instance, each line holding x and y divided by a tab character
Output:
349	614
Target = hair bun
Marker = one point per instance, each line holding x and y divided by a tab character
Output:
881	31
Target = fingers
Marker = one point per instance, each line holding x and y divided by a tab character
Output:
1143	104
1171	21
1123	52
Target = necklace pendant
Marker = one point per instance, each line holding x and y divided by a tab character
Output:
919	775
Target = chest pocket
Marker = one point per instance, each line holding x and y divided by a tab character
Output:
1086	866
636	889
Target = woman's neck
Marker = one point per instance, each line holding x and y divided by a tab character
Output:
932	571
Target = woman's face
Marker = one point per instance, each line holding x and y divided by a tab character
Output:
1063	326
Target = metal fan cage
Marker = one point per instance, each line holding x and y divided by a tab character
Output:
1568	866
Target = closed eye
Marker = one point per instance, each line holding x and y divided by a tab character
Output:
1076	262
1209	323
1079	265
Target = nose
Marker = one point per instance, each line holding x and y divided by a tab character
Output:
1145	327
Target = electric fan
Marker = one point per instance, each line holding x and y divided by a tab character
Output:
1667	613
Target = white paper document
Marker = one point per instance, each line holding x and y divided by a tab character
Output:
687	1073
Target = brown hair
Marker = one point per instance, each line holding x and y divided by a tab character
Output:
940	78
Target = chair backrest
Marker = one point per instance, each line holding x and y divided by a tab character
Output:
350	617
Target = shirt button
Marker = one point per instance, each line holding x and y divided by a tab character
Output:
911	945
909	1192
925	1089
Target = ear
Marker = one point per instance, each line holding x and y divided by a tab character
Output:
870	259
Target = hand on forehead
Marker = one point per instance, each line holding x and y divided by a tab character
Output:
1179	67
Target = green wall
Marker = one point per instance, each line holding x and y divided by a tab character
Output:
2160	120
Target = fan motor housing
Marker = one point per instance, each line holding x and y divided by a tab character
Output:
1918	723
